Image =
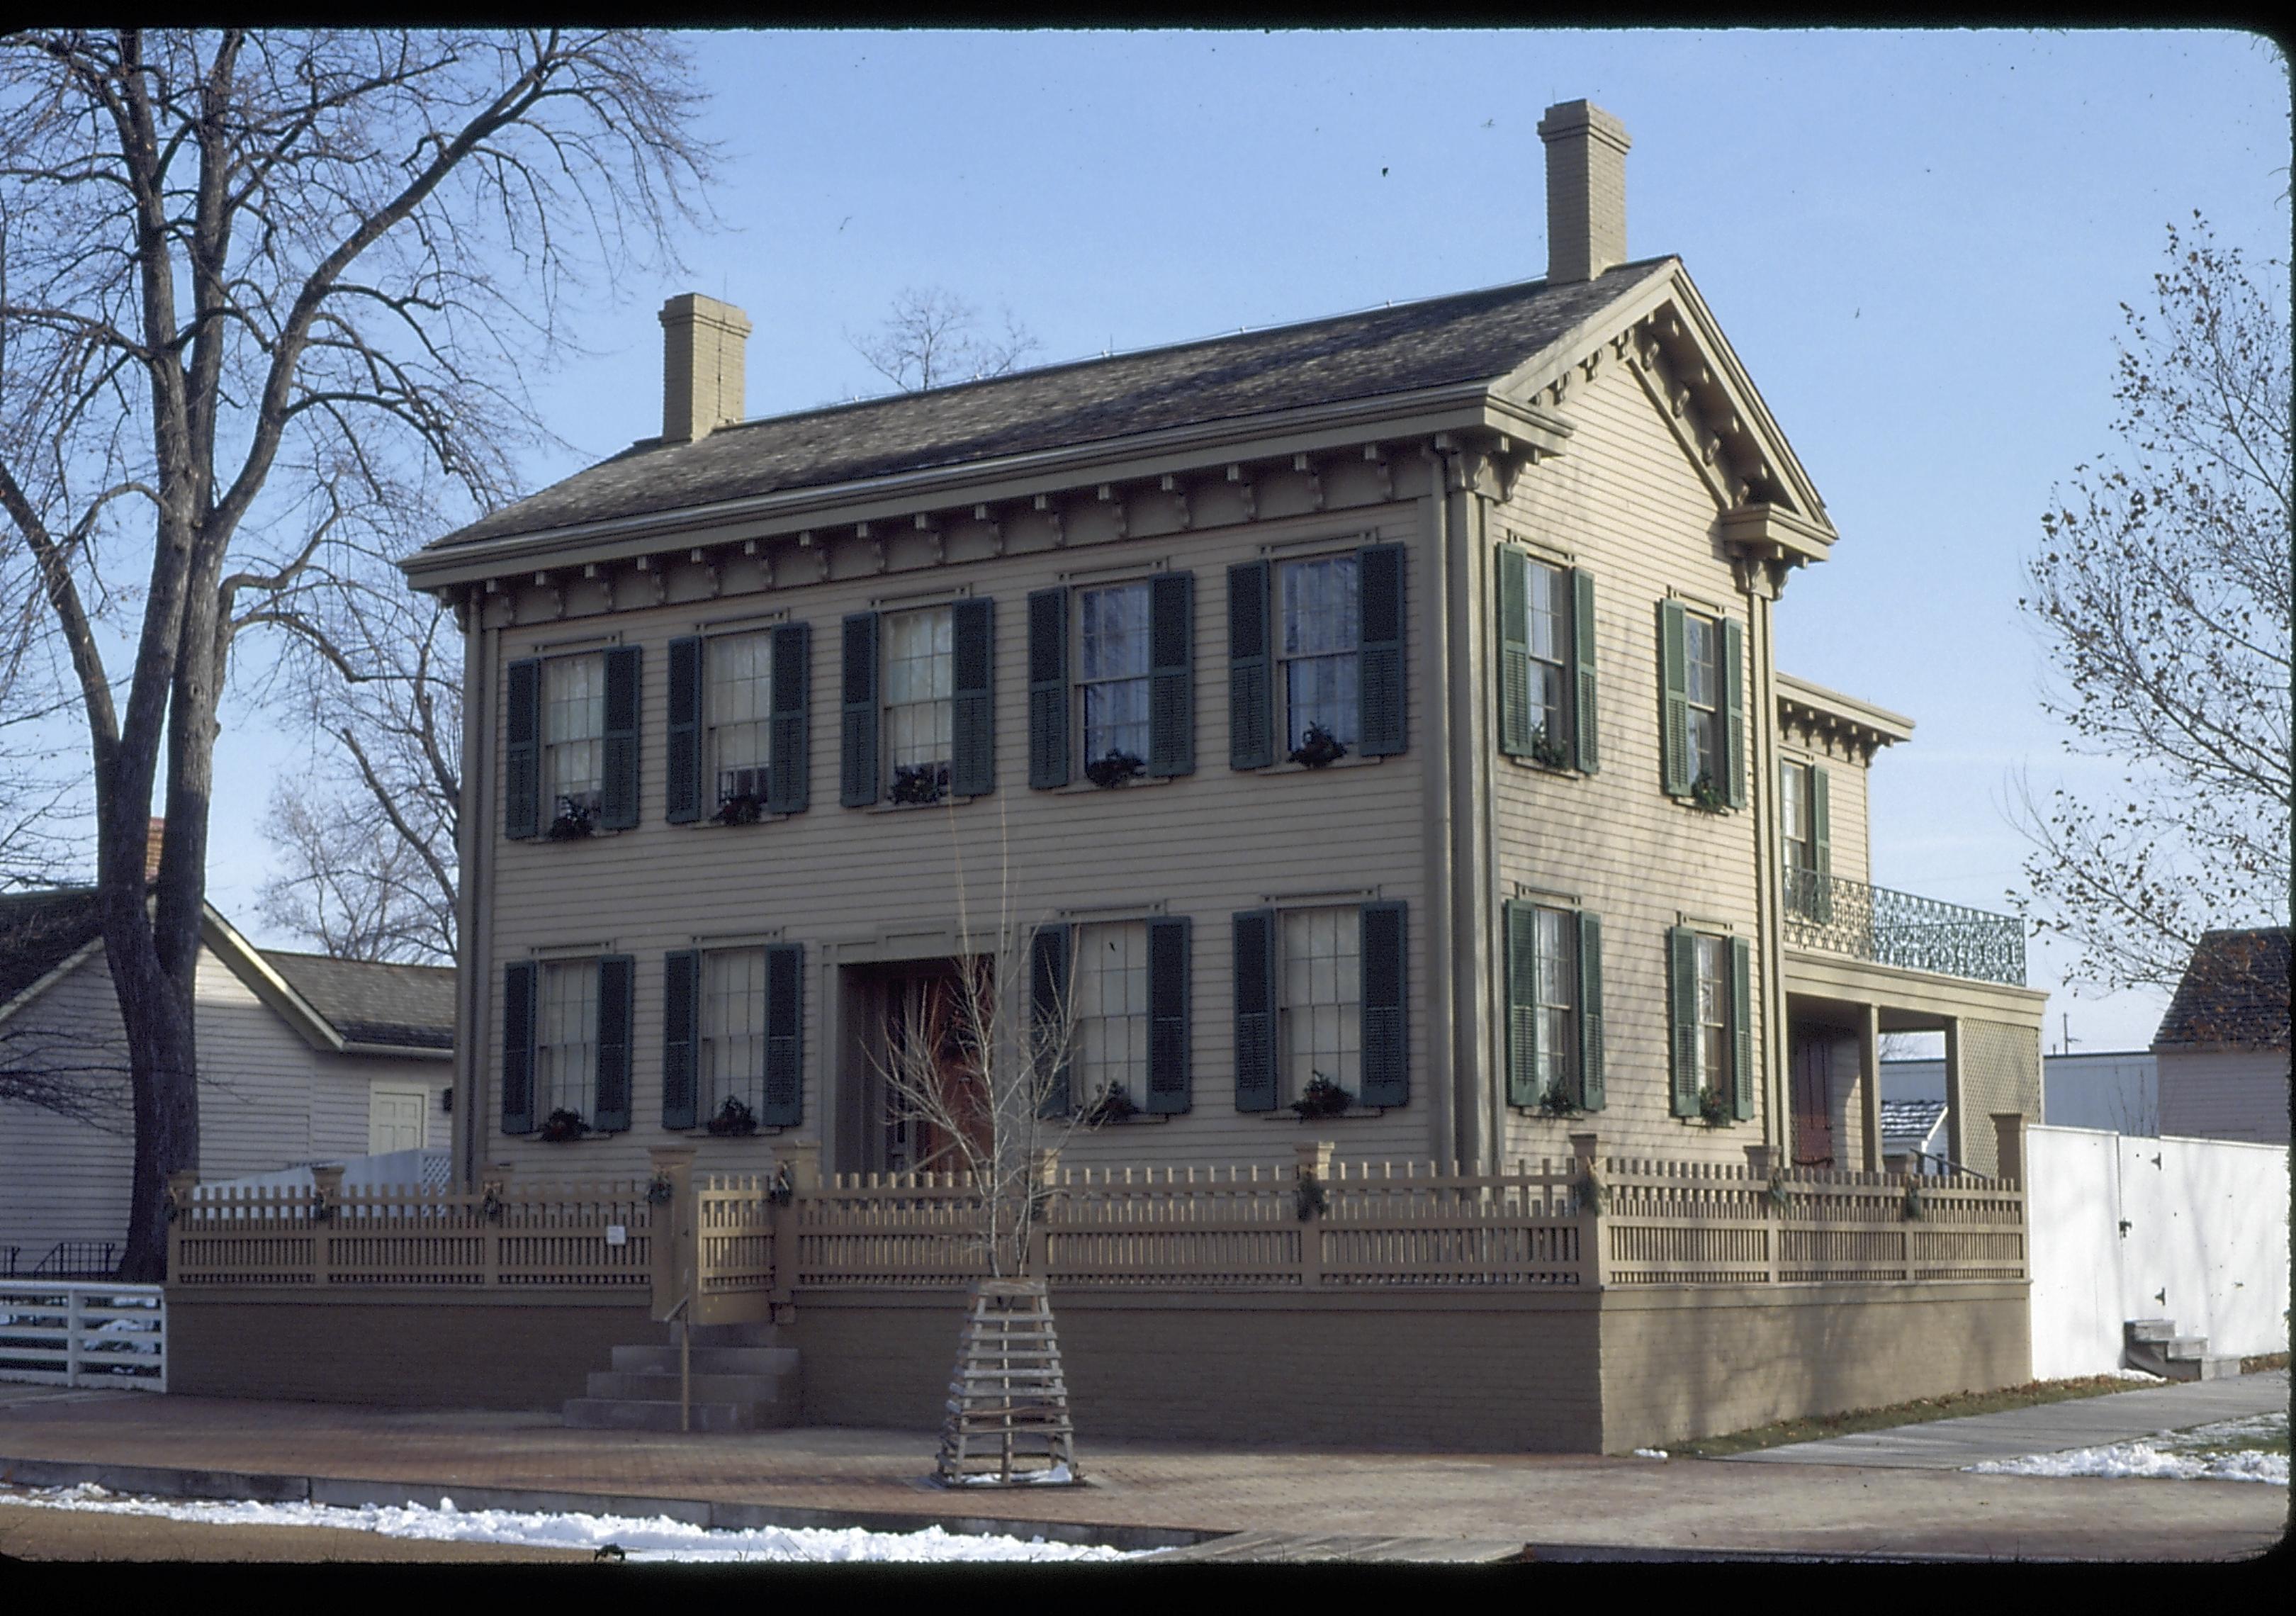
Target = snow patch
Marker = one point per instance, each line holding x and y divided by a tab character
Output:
2145	1460
652	1538
1057	1476
1650	1452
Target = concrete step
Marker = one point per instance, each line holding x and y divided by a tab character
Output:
729	1335
709	1361
2149	1329
643	1387
617	1414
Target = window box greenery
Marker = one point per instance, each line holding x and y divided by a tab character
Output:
734	1120
1714	1107
562	1127
1113	1105
1706	796
1317	747
1558	1101
1114	770
743	807
1323	1099
1547	752
919	782
575	820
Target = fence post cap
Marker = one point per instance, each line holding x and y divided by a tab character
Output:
1316	1157
1582	1145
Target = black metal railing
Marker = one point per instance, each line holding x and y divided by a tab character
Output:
1843	916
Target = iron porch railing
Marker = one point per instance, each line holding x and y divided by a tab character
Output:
1889	928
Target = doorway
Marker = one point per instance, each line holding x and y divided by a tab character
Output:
908	1020
1813	1096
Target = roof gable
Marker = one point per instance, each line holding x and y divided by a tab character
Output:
2234	991
41	935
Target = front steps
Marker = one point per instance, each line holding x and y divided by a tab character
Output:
2154	1346
743	1380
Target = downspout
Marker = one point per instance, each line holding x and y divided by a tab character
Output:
1435	522
473	911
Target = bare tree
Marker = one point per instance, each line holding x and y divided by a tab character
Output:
933	337
71	1072
2162	594
264	292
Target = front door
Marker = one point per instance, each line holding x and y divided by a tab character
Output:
1813	1102
928	1055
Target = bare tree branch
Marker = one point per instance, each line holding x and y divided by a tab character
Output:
933	337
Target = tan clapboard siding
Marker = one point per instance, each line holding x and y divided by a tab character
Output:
1847	821
1627	503
63	1180
1204	845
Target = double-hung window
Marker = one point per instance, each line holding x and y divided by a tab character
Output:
566	1039
1318	645
1702	660
739	704
733	1030
573	735
732	1025
1555	1007
1321	1000
1110	985
1710	992
1802	813
1321	1005
1548	609
1703	664
1112	668
566	1044
920	685
1547	661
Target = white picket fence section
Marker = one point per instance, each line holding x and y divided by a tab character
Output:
93	1335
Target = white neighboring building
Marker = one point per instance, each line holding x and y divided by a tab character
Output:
2116	1091
302	1058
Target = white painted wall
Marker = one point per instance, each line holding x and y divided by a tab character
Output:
2206	1244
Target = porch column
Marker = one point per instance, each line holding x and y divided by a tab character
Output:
1956	1133
1869	1084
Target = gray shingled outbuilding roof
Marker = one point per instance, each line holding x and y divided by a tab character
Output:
411	1006
40	931
2234	991
1405	348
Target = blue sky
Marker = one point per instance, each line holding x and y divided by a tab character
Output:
1918	243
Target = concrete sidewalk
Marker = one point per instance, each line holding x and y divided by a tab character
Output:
2095	1421
1140	1493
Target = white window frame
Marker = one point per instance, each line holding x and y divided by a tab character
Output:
1127	688
566	1067
1322	1006
939	707
1335	654
732	1056
1555	971
1108	992
1795	828
573	737
727	723
1550	666
1715	999
1703	725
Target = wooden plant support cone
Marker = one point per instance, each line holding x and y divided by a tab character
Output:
1008	1404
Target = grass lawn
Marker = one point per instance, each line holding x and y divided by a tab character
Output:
1953	1406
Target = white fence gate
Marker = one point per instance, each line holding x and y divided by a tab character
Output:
2124	1226
92	1334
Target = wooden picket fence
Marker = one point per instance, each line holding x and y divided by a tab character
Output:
755	1240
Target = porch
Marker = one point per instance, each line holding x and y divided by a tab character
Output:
1860	961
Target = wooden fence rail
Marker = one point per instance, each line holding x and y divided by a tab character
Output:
756	1240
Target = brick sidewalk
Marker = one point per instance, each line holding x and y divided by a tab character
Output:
878	1477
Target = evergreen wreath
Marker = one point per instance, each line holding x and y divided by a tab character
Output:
1114	769
562	1127
1323	1099
734	1119
1318	746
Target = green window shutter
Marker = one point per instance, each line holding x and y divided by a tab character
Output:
1673	676
683	789
616	980
1590	1011
1741	1029
1522	1003
1048	689
1820	904
1168	1078
783	1088
858	743
1052	1017
619	809
1172	674
1734	704
1585	732
1250	675
788	734
1380	675
973	715
681	1038
1682	1008
519	983
1255	1010
1514	657
522	750
1386	1046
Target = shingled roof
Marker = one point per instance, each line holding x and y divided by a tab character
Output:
1403	348
40	931
2234	991
410	1006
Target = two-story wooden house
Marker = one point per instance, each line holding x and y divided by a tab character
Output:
1387	699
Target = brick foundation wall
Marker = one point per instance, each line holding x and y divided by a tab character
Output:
428	1349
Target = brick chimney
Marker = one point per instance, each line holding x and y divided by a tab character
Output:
154	837
1585	190
704	355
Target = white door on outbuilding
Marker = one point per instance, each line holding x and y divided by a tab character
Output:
396	1118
